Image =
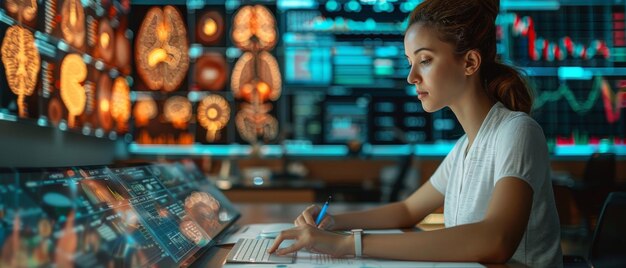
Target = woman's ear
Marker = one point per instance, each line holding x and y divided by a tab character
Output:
472	62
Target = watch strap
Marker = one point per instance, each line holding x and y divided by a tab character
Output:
358	242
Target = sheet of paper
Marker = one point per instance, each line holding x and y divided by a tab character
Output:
253	231
320	260
325	261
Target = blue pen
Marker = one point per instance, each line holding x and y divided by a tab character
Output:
323	211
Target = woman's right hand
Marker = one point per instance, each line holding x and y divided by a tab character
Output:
308	216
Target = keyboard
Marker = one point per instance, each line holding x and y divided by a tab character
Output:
248	250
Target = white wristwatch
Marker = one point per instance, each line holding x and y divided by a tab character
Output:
358	244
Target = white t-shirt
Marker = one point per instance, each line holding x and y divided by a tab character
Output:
508	144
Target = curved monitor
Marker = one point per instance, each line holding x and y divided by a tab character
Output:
158	215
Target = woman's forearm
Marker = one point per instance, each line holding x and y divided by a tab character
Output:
402	214
477	242
394	215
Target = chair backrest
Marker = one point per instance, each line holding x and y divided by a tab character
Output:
600	169
608	247
398	183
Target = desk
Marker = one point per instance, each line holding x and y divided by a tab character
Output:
272	213
266	213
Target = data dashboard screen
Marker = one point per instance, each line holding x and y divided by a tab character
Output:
573	53
157	215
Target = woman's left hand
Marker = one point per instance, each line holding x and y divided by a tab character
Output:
315	240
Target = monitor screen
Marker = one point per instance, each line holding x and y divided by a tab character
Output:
200	198
310	66
345	119
148	215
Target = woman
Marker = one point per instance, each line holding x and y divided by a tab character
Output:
494	184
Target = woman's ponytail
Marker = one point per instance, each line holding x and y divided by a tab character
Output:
507	85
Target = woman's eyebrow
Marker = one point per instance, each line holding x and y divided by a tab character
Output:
420	49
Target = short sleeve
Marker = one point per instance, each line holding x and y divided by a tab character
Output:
522	152
440	178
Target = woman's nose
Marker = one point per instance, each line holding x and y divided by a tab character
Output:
413	77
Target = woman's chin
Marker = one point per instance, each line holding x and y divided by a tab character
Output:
429	108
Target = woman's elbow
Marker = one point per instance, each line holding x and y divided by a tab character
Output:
408	223
496	256
500	250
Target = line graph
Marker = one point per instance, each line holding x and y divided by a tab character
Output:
612	112
540	48
612	101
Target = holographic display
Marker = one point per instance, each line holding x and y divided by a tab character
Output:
156	215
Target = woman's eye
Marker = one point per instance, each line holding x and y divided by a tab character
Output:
424	62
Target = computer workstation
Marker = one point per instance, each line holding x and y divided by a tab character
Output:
145	215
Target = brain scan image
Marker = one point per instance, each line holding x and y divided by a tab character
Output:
210	28
55	111
213	115
21	63
144	111
161	50
122	51
256	76
254	121
105	47
254	28
178	111
73	74
210	71
204	210
120	103
104	102
22	10
73	23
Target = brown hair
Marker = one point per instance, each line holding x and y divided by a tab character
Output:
470	24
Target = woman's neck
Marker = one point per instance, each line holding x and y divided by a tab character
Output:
471	110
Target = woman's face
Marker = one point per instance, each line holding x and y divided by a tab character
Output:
438	76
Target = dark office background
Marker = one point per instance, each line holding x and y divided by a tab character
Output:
341	84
